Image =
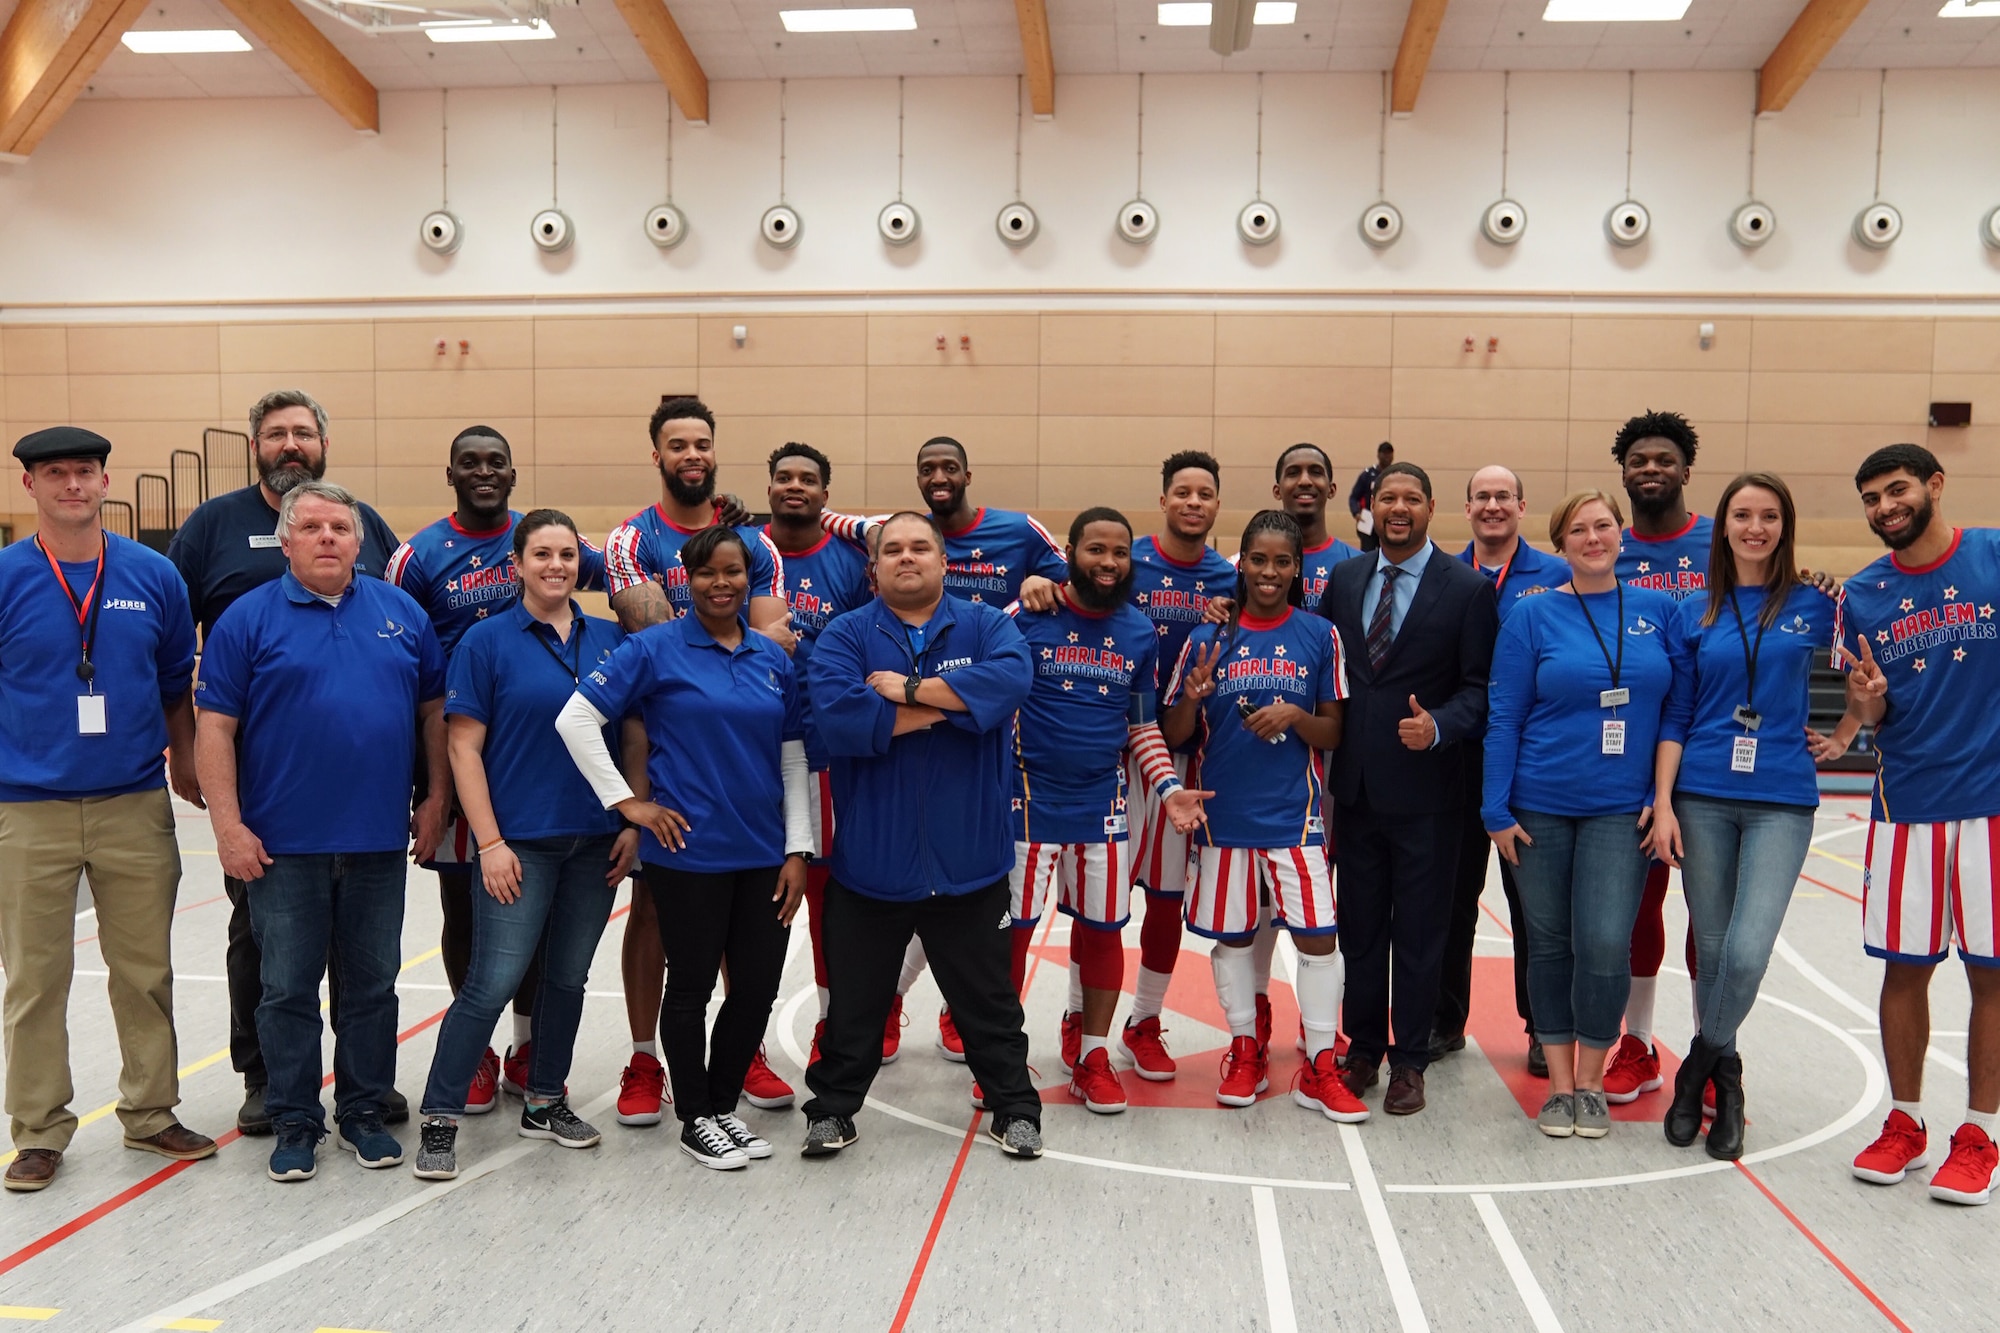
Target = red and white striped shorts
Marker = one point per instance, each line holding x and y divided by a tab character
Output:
1160	862
1928	884
1226	883
822	814
1093	881
456	849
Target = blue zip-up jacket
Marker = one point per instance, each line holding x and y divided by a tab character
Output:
928	812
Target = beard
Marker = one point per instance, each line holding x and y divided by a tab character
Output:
949	506
290	468
1093	598
700	493
1654	507
1920	523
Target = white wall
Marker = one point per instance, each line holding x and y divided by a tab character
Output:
276	200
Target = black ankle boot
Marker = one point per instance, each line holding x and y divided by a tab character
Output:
1725	1136
1683	1119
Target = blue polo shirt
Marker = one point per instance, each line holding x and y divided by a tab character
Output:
716	720
229	545
512	673
144	658
325	700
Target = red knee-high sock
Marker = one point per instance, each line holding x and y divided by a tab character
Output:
1649	932
1692	974
1100	954
816	877
1024	934
1159	934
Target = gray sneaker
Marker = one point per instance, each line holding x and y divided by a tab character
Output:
558	1123
1017	1136
1558	1117
827	1135
437	1150
1593	1114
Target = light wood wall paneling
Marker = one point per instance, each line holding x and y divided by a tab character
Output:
953	390
1134	491
1870	345
1438	341
1287	391
1658	342
345	394
274	351
128	349
989	441
1109	441
1843	397
36	349
1701	396
426	442
144	397
1128	340
1303	340
784	340
1516	395
783	390
749	442
1126	391
37	397
595	391
492	344
1466	446
997	340
461	394
1258	441
637	341
1964	346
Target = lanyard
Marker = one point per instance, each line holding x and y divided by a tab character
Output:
1500	580
574	665
1750	657
1617	666
87	610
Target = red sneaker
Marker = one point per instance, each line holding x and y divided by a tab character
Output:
1245	1073
1300	1041
1072	1040
948	1039
641	1089
485	1089
812	1056
1967	1173
1264	1025
1149	1053
514	1072
1095	1083
1319	1087
1901	1147
892	1032
1635	1068
1340	1044
978	1097
1708	1101
762	1088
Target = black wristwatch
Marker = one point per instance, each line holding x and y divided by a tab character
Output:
910	683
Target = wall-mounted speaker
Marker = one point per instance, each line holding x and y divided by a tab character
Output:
1138	222
898	223
1989	228
1752	224
1627	224
441	232
666	226
552	231
1382	225
1257	224
1017	224
1504	222
1877	226
781	226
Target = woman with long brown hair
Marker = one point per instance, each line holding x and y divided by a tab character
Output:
1736	779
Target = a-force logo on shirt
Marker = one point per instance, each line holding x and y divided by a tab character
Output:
1641	626
952	663
123	604
394	631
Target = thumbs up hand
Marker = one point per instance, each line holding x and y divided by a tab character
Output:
1419	730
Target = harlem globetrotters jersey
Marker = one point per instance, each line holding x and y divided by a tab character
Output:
1266	794
1676	564
829	579
1096	675
1175	596
1934	632
986	560
461	577
648	546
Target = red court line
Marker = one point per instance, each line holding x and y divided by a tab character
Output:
1851	897
111	1205
1505	929
1821	1246
177	911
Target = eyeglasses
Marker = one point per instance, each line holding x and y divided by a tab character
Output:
1493	497
278	435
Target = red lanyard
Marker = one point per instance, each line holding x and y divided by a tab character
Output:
86	610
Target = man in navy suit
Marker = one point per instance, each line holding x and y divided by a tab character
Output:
1419	629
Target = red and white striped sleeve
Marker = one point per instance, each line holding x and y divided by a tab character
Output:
777	585
399	567
621	560
1149	749
1339	666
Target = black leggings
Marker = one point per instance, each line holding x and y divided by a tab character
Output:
702	918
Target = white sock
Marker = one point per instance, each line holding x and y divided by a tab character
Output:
1150	993
1261	949
524	1029
1075	986
913	966
1639	1009
651	1048
1321	979
1983	1119
1914	1110
824	996
1091	1043
1235	987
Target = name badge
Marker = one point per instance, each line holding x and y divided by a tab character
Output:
1614	737
263	541
1613	698
90	715
1743	755
1747	718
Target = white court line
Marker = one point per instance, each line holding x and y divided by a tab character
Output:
328	1244
1271	1249
1531	1291
1831	834
1409	1310
1826	984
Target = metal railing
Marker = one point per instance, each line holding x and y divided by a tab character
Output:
156	510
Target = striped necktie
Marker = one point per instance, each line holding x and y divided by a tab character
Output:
1380	635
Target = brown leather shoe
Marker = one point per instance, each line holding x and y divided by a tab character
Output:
175	1141
1359	1079
32	1169
1406	1091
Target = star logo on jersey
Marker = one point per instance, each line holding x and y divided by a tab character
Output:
805	585
474	561
481	615
1918	664
1069	685
1162	630
1881	636
1986	611
1072	636
1200	586
1645	566
1110	642
978	554
1958	654
1279	651
1166	583
1909	605
977	598
1017	803
1950	593
1243	652
1048	653
1001	570
1140	599
1104	689
451	585
1685	562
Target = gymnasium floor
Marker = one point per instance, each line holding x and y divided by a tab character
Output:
1179	1214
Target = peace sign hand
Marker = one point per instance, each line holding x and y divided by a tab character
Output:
1865	681
1199	682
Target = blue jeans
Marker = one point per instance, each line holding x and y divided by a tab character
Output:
352	904
1741	861
561	911
1580	889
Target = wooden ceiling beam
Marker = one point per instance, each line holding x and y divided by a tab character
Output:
1413	57
1813	33
673	59
49	51
1037	56
292	37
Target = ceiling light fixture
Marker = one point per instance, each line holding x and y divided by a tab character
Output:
1180	14
1970	9
1615	11
1276	13
539	31
184	41
848	20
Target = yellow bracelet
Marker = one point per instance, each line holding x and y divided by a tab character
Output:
491	845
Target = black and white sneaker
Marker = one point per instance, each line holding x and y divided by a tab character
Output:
743	1137
556	1121
1016	1135
828	1135
437	1150
709	1144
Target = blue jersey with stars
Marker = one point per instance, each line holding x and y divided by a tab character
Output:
1266	795
1933	629
1095	676
1175	596
1316	568
648	546
827	580
1676	564
986	560
460	577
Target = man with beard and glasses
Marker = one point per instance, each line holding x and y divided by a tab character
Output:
649	585
1924	668
1096	680
461	570
227	547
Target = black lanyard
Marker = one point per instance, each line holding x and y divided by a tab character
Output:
86	610
1750	656
575	664
1617	666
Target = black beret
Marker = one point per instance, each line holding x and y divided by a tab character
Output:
45	446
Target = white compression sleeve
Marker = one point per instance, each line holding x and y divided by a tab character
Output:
581	727
799	795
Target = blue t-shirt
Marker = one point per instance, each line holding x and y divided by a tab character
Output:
325	701
1096	675
512	673
1266	795
648	546
716	722
460	577
1676	564
1527	572
1544	721
827	580
1933	633
1712	679
144	658
986	560
1175	596
229	545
